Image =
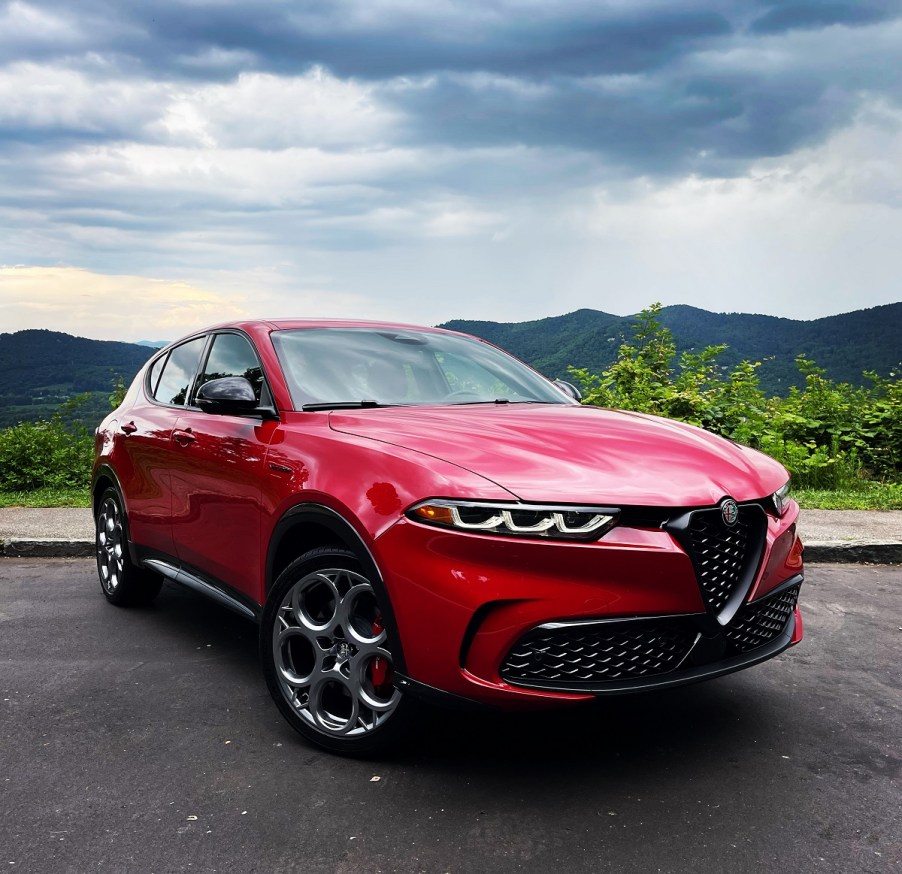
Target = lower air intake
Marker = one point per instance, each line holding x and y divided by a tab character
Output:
596	653
588	655
761	621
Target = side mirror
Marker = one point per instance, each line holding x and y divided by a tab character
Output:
228	396
569	389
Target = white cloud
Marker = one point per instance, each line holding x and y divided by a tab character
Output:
128	307
63	101
23	22
276	112
107	307
256	110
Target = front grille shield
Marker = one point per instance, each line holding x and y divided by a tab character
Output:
725	559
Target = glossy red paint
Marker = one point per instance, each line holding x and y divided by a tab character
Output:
519	584
216	496
577	454
137	442
213	494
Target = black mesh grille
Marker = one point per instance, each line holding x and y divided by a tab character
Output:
572	657
760	622
591	654
722	554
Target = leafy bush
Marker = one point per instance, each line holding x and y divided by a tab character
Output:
829	435
50	454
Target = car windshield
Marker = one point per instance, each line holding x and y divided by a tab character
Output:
334	367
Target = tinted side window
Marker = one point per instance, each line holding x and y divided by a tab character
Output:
178	372
232	355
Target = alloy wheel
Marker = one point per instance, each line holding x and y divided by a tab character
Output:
110	545
329	650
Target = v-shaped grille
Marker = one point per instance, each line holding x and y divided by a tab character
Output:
725	558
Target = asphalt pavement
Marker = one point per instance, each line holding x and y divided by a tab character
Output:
829	535
145	740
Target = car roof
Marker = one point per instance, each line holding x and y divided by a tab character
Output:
292	324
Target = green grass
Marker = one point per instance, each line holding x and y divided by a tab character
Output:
49	497
866	496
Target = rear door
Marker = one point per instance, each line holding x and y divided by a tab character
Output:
144	446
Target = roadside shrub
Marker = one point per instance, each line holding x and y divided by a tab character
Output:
828	435
50	454
881	422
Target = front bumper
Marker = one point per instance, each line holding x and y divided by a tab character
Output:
521	623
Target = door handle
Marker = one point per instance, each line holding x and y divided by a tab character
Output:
183	438
128	428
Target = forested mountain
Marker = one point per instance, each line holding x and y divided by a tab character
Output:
41	369
846	345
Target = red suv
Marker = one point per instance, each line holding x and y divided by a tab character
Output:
410	513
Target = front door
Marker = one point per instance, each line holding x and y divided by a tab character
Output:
215	479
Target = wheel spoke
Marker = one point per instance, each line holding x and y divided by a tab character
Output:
324	713
287	671
299	609
362	681
349	619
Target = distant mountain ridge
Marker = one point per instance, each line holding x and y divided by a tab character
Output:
845	345
40	369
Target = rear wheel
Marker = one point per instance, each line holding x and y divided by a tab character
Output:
123	583
327	656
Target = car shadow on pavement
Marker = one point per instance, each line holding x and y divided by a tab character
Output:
605	739
193	620
612	734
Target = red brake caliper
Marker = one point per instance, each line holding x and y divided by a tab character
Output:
379	666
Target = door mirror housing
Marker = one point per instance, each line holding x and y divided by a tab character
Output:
569	389
227	396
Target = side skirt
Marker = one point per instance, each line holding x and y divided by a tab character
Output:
212	589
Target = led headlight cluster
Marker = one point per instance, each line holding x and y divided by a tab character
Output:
781	499
517	520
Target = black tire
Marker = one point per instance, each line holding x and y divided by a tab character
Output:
122	582
327	658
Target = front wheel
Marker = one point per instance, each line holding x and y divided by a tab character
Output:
327	656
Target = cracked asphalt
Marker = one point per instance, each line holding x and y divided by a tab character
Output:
145	741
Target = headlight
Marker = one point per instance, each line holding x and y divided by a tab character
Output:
517	520
781	499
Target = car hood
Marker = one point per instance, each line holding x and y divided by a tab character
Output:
576	454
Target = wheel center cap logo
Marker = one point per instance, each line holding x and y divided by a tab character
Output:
729	511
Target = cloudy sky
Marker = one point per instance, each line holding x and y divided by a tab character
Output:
170	163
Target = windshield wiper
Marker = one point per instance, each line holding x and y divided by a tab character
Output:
499	401
344	405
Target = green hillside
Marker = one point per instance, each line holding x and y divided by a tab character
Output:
39	370
845	345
